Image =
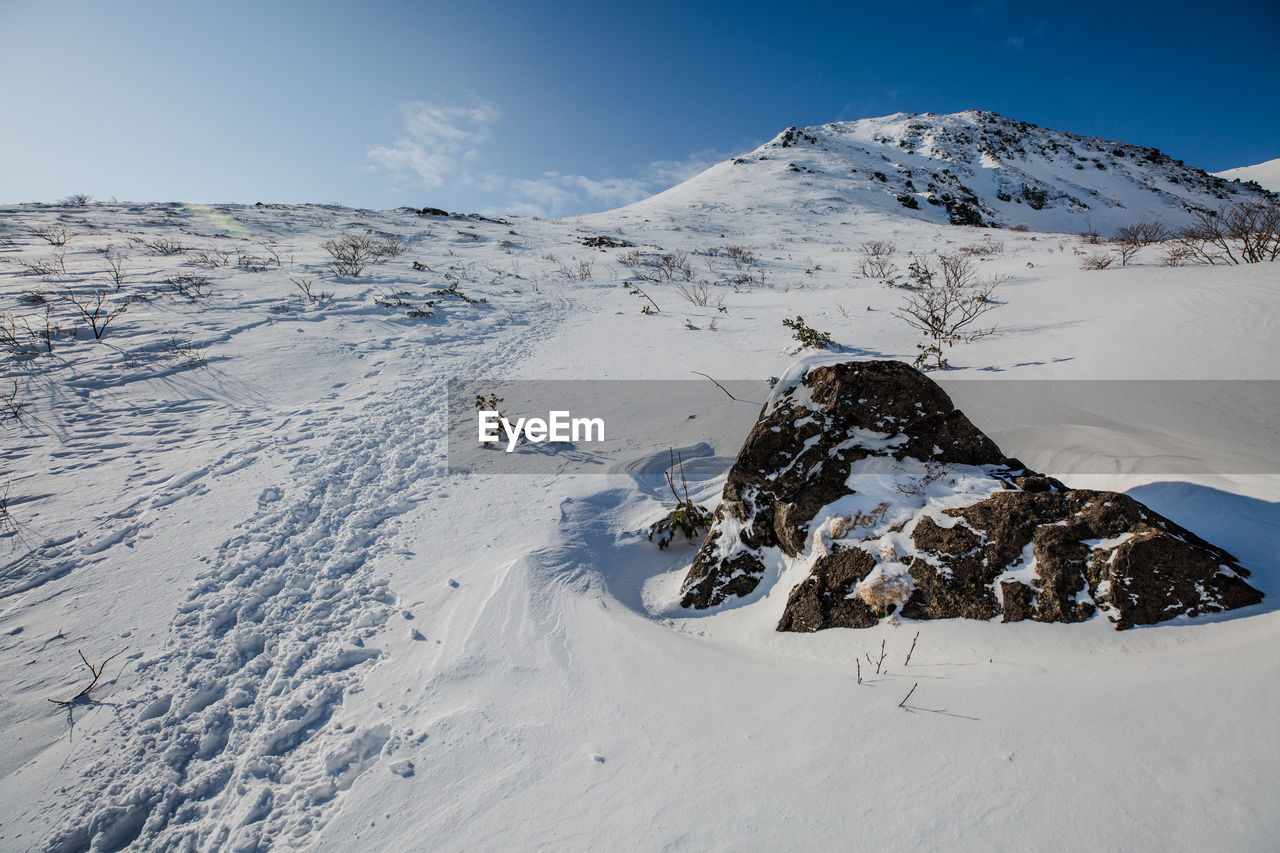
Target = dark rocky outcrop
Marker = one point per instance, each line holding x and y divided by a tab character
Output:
1025	547
797	458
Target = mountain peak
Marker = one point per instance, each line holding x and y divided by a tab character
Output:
974	167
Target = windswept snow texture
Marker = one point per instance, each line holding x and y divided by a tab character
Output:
970	168
330	643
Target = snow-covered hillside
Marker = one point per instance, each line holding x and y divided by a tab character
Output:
316	637
1266	175
970	168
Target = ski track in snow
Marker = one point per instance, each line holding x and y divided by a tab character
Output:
227	751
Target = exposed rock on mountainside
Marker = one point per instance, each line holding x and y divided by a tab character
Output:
970	168
890	500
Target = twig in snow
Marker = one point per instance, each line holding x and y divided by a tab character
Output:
724	389
908	696
97	674
912	649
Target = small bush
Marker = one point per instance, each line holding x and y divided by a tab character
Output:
808	337
166	246
686	517
317	298
1097	261
697	294
96	311
876	259
1143	233
54	235
189	287
1247	233
352	254
210	259
944	311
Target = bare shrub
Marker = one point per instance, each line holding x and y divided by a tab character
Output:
11	336
7	523
1126	251
323	298
165	246
675	265
919	486
48	330
210	259
1255	226
252	263
698	294
582	271
877	258
984	249
352	254
842	527
1143	233
945	305
54	235
43	267
652	266
189	287
1097	261
10	405
115	266
96	310
76	200
182	349
1176	255
740	255
1247	233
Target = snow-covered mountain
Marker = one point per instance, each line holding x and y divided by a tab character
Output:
270	615
969	168
1265	175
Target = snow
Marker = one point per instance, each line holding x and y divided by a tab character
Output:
332	643
1267	174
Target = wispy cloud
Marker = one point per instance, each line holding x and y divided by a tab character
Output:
437	140
1015	43
445	144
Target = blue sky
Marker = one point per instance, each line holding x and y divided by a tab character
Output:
558	108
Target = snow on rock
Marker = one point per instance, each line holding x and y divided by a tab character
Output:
808	485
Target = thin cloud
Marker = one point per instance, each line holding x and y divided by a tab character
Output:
435	138
441	145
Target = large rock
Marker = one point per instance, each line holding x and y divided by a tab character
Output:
864	477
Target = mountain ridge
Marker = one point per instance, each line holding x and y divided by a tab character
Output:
974	167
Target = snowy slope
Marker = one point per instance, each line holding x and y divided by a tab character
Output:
329	642
1266	175
970	168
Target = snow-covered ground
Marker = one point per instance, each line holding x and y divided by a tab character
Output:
1266	174
328	641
